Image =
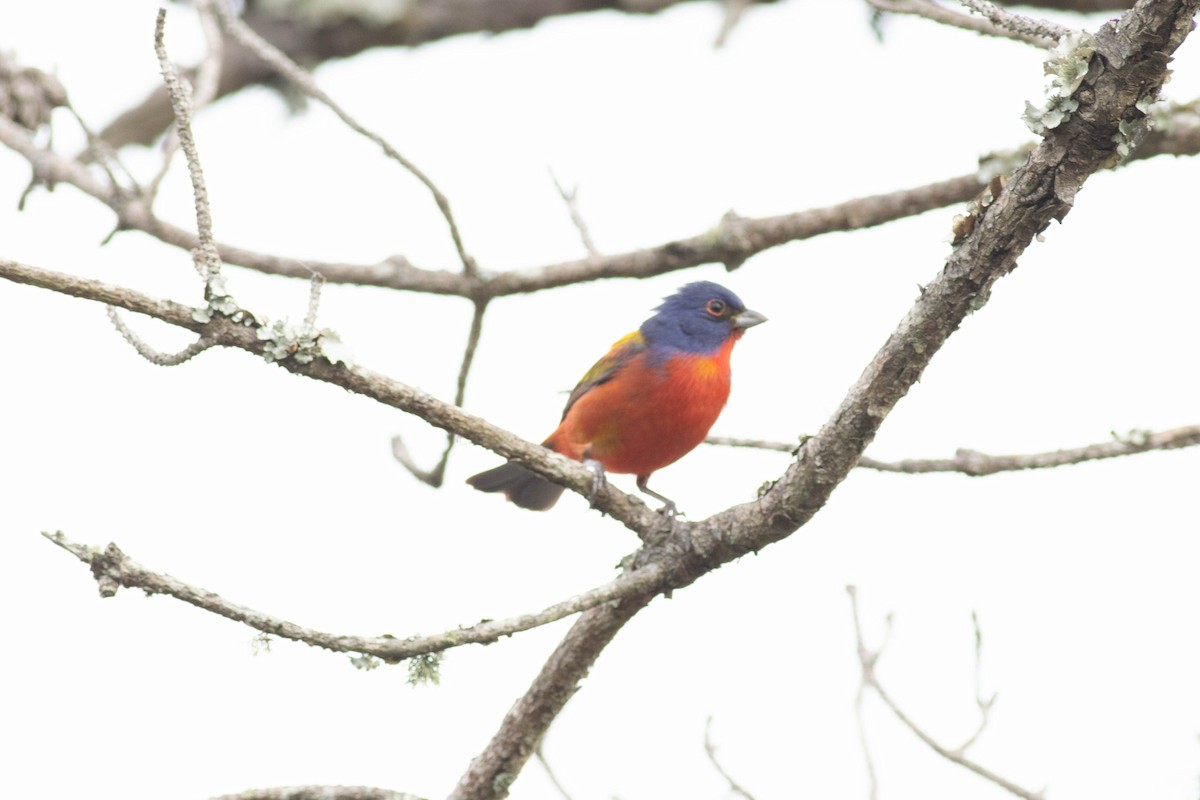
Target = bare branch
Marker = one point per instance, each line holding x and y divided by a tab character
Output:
181	105
977	464
319	793
1080	6
437	475
1007	20
493	771
114	570
868	661
346	34
710	750
985	704
208	77
931	10
149	353
314	301
733	15
732	241
279	61
573	208
541	757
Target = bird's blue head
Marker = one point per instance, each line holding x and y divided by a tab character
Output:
699	318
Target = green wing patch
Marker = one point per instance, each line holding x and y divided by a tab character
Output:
606	368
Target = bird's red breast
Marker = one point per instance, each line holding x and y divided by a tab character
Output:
657	406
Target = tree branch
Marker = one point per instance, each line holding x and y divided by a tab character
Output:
710	750
319	793
947	16
278	61
731	242
493	771
977	464
114	570
244	335
182	106
868	659
344	34
435	476
1016	23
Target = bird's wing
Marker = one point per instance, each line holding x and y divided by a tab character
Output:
623	350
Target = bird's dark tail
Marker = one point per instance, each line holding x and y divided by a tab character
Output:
526	489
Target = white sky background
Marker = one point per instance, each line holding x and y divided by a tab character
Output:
280	493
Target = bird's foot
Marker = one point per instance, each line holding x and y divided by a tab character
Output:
599	481
668	509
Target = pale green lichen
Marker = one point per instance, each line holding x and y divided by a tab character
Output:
283	340
1127	136
1001	162
221	302
365	662
1065	68
425	668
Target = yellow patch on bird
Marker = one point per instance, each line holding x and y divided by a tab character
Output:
629	338
706	368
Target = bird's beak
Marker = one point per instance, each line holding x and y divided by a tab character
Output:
747	319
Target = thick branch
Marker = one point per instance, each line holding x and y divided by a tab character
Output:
494	770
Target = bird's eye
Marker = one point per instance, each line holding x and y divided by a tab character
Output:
715	307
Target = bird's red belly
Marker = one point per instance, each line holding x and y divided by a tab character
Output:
647	417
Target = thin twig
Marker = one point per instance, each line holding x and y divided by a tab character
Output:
106	157
985	704
314	301
938	13
868	661
1009	21
437	475
181	106
570	198
541	757
710	750
204	91
729	20
113	570
976	464
319	793
289	69
149	353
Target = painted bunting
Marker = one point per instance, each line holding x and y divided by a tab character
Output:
647	403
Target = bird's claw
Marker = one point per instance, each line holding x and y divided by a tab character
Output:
599	481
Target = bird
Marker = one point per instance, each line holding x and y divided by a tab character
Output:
647	403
